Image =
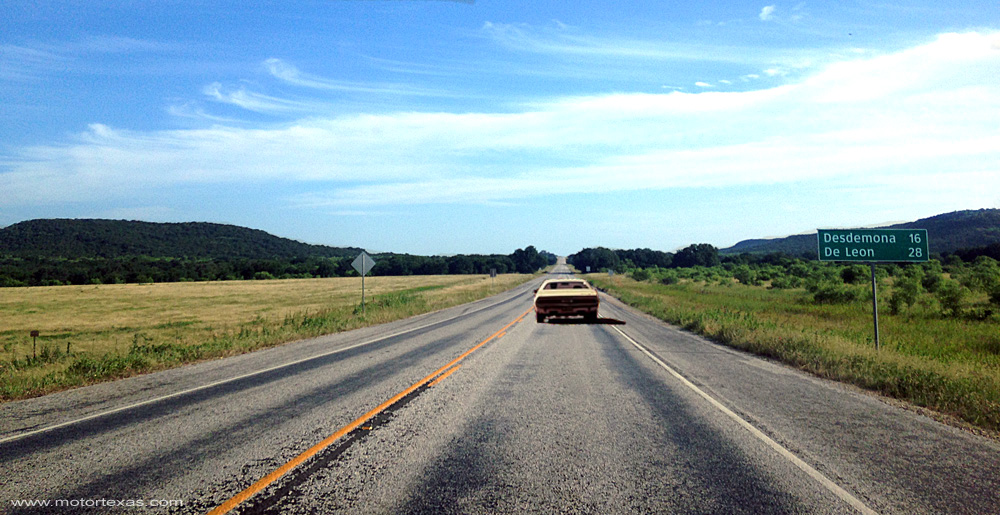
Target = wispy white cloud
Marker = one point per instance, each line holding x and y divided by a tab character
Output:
257	102
566	41
570	52
38	60
194	111
290	74
923	114
22	63
766	13
108	44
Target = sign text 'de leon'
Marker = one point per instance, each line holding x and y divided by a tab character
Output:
873	245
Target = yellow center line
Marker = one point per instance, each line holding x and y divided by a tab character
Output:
442	376
264	482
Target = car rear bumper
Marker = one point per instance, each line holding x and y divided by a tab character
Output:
567	306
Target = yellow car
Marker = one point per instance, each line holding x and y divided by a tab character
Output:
566	298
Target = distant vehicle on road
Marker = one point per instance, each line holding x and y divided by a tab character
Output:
565	298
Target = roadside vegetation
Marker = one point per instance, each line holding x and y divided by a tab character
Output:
95	333
939	322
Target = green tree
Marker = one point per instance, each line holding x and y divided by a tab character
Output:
460	264
699	254
597	259
983	275
745	275
905	292
528	260
640	274
855	274
952	297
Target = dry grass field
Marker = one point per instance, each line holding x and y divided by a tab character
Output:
100	332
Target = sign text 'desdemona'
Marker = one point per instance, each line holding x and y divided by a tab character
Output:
873	245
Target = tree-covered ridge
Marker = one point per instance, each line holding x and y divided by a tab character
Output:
85	239
948	233
56	252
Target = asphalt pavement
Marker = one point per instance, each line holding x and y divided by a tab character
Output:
628	415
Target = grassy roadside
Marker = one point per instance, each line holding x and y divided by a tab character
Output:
949	366
97	333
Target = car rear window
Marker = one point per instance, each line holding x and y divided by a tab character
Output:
566	286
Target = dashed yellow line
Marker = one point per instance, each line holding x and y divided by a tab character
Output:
443	372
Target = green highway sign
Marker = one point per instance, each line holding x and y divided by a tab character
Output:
873	245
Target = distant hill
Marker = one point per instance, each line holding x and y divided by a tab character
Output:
73	239
947	233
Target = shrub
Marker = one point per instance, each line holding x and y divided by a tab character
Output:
822	275
830	293
640	274
855	274
952	296
669	277
983	275
745	275
800	270
932	281
784	283
906	290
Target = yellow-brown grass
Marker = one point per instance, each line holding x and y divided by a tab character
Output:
156	326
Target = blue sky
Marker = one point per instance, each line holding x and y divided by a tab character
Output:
441	127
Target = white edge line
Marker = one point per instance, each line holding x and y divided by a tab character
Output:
805	467
19	436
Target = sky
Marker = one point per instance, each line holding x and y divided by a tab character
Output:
437	127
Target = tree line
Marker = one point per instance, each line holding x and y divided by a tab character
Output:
948	285
602	259
54	271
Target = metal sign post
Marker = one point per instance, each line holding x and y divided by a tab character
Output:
875	305
363	264
873	246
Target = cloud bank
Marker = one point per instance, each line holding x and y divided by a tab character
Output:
921	120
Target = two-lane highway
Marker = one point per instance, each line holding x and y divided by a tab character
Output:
558	417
